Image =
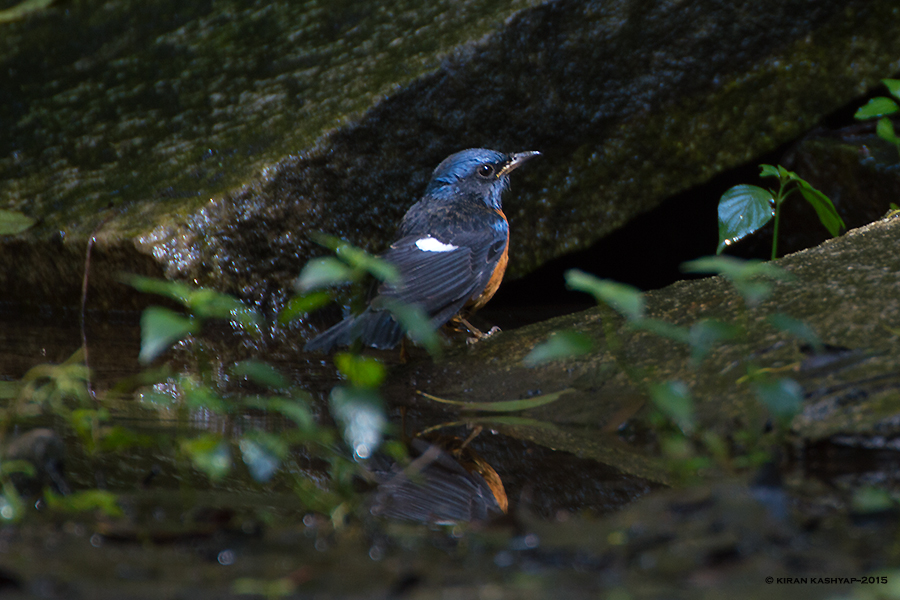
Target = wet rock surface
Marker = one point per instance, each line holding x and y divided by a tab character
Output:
207	140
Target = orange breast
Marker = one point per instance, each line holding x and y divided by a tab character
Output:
496	277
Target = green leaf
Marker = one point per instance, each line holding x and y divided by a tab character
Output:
560	345
735	268
121	438
23	9
361	371
358	258
828	215
868	500
797	328
665	329
83	421
625	299
743	210
268	588
9	467
203	303
180	292
380	269
502	405
13	222
877	107
787	175
361	415
86	500
323	272
705	334
295	410
893	86
260	372
673	399
885	130
743	274
206	303
783	398
417	324
160	328
768	171
198	395
303	304
12	507
261	458
9	389
210	454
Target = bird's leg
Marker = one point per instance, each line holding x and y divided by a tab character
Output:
475	433
477	334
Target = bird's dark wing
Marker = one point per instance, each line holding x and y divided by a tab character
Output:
441	274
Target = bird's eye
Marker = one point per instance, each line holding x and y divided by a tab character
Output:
486	170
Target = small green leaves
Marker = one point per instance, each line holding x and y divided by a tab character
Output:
177	291
11	505
87	500
743	210
870	500
360	412
676	333
13	222
358	408
705	334
203	303
160	328
893	86
324	272
23	9
771	171
877	107
882	107
210	454
560	345
674	400
303	304
885	130
783	398
797	328
359	259
261	455
362	371
261	373
745	275
350	265
625	299
417	324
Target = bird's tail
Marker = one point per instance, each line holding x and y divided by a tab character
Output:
375	328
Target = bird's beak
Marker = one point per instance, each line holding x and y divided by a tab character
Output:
516	159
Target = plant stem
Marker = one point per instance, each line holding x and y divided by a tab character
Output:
775	233
779	198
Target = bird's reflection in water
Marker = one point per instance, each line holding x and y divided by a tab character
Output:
445	483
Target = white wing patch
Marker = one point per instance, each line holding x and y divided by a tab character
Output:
430	244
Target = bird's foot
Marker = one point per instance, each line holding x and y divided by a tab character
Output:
479	335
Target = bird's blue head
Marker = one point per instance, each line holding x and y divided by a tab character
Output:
475	173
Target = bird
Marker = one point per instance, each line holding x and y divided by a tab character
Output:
451	250
446	483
